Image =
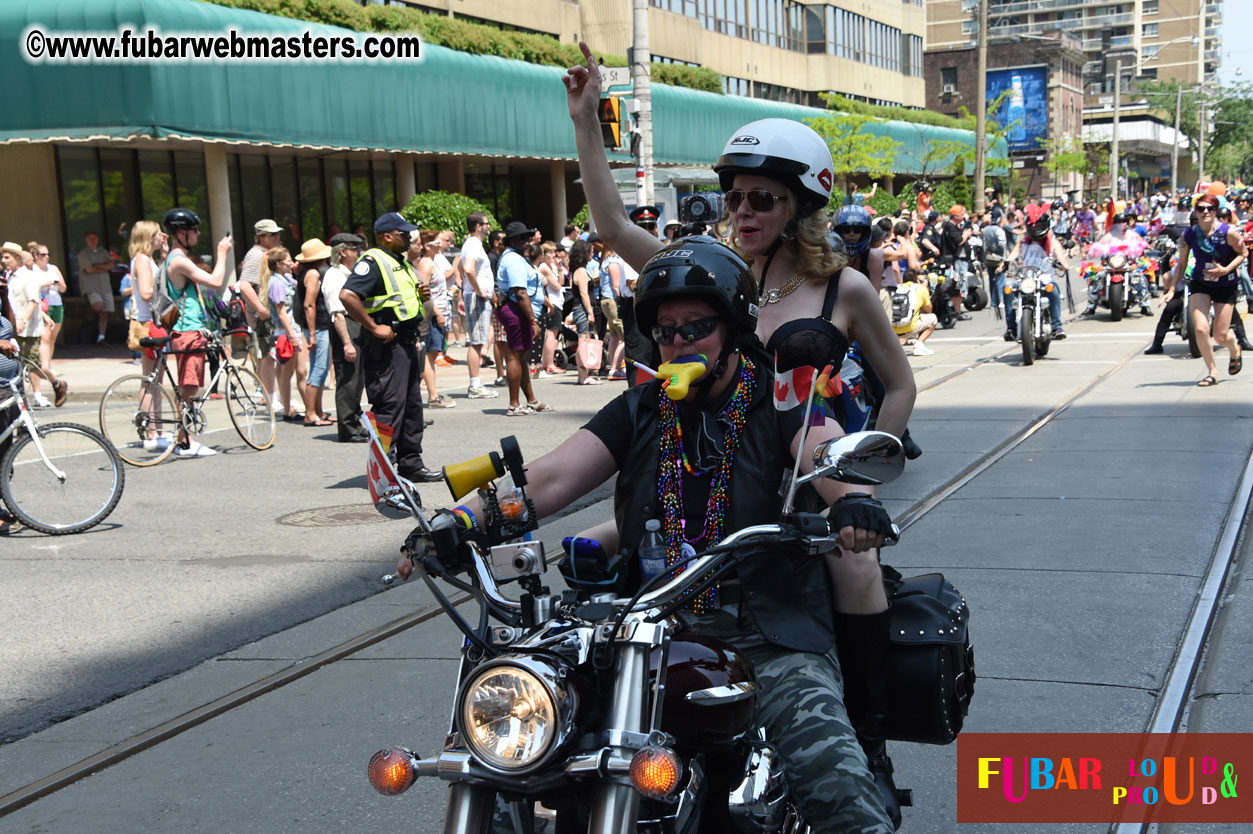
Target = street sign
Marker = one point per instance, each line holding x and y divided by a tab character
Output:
615	77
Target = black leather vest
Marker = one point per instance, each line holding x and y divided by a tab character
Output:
787	591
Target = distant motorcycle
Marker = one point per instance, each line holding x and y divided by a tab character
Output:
941	300
974	281
1117	288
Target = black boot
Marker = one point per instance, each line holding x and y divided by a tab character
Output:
912	450
862	644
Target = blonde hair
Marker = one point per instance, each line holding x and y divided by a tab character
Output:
31	246
142	234
809	245
273	257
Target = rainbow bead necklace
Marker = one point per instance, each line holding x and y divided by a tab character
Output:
673	461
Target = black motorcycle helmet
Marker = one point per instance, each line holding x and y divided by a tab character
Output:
179	219
1038	229
1118	218
698	267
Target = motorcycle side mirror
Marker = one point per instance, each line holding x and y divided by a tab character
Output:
868	458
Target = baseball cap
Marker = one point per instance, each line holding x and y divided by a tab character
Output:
347	238
266	227
393	222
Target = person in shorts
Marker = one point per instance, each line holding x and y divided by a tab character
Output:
94	265
517	286
190	337
479	283
29	322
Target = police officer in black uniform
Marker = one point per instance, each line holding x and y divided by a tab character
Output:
382	296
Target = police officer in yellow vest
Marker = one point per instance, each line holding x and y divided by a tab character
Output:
382	296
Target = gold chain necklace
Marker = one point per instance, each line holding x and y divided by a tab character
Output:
775	296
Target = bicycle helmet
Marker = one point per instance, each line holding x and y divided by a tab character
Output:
853	219
784	150
178	219
698	267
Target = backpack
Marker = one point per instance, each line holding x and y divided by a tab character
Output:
903	304
164	307
229	309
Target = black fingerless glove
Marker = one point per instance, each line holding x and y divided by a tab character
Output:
859	510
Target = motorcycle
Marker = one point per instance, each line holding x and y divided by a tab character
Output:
1035	330
1117	288
974	281
595	712
941	301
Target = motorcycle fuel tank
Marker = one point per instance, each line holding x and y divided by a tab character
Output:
722	686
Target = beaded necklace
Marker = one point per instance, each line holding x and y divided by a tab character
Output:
672	461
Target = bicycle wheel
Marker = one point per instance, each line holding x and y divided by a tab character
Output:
140	419
85	491
250	408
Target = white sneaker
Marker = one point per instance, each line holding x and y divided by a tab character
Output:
195	450
41	401
276	403
922	350
157	444
482	394
543	375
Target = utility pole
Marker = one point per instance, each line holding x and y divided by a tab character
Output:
1174	150
641	62
981	106
1201	140
1114	169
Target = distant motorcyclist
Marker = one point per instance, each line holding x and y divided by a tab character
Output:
1120	239
1039	249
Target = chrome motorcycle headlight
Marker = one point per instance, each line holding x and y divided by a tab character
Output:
514	712
1027	286
1117	261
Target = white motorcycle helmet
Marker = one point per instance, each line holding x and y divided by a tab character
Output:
784	150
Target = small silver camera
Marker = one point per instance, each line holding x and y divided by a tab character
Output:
518	559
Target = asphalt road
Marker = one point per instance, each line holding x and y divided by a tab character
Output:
1080	553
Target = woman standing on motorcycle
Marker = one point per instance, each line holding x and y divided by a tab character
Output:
777	177
1218	250
708	465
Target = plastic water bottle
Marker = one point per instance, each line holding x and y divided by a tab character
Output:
652	552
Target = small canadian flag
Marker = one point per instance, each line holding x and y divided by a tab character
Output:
791	388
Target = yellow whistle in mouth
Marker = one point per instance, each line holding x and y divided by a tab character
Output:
678	376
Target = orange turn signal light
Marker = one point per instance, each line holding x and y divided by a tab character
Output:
392	771
1009	290
655	772
1048	287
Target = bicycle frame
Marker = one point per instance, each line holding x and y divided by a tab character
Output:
27	421
215	346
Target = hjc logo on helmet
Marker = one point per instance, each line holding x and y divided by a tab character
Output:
745	140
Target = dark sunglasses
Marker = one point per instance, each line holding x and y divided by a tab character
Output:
1206	208
652	227
758	200
692	331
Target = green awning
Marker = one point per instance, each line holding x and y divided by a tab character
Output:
450	103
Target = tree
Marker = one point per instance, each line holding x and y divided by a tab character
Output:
1230	150
442	210
854	150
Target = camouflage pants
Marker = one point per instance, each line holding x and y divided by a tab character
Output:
801	707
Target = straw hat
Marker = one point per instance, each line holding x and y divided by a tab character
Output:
313	250
12	248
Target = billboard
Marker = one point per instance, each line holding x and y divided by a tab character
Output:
1025	111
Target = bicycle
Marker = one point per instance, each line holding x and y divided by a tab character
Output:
139	416
58	478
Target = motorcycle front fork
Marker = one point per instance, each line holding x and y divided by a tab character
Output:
470	809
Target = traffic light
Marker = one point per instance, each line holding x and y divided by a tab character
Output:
611	121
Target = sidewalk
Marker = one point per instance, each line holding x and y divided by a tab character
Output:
90	369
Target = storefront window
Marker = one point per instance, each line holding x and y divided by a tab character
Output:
156	183
362	207
285	193
121	199
255	186
193	193
242	231
384	191
311	220
336	171
80	196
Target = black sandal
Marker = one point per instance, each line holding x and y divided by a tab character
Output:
1207	382
1235	365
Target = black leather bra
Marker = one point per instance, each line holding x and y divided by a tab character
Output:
812	342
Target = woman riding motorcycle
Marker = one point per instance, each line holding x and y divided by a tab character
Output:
1120	239
711	464
1039	249
777	176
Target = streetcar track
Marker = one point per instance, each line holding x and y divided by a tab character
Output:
200	715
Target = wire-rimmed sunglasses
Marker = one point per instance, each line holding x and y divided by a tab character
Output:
759	199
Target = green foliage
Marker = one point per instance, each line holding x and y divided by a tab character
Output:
442	210
1066	156
1161	97
884	203
582	217
1232	141
959	191
853	150
463	36
899	114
